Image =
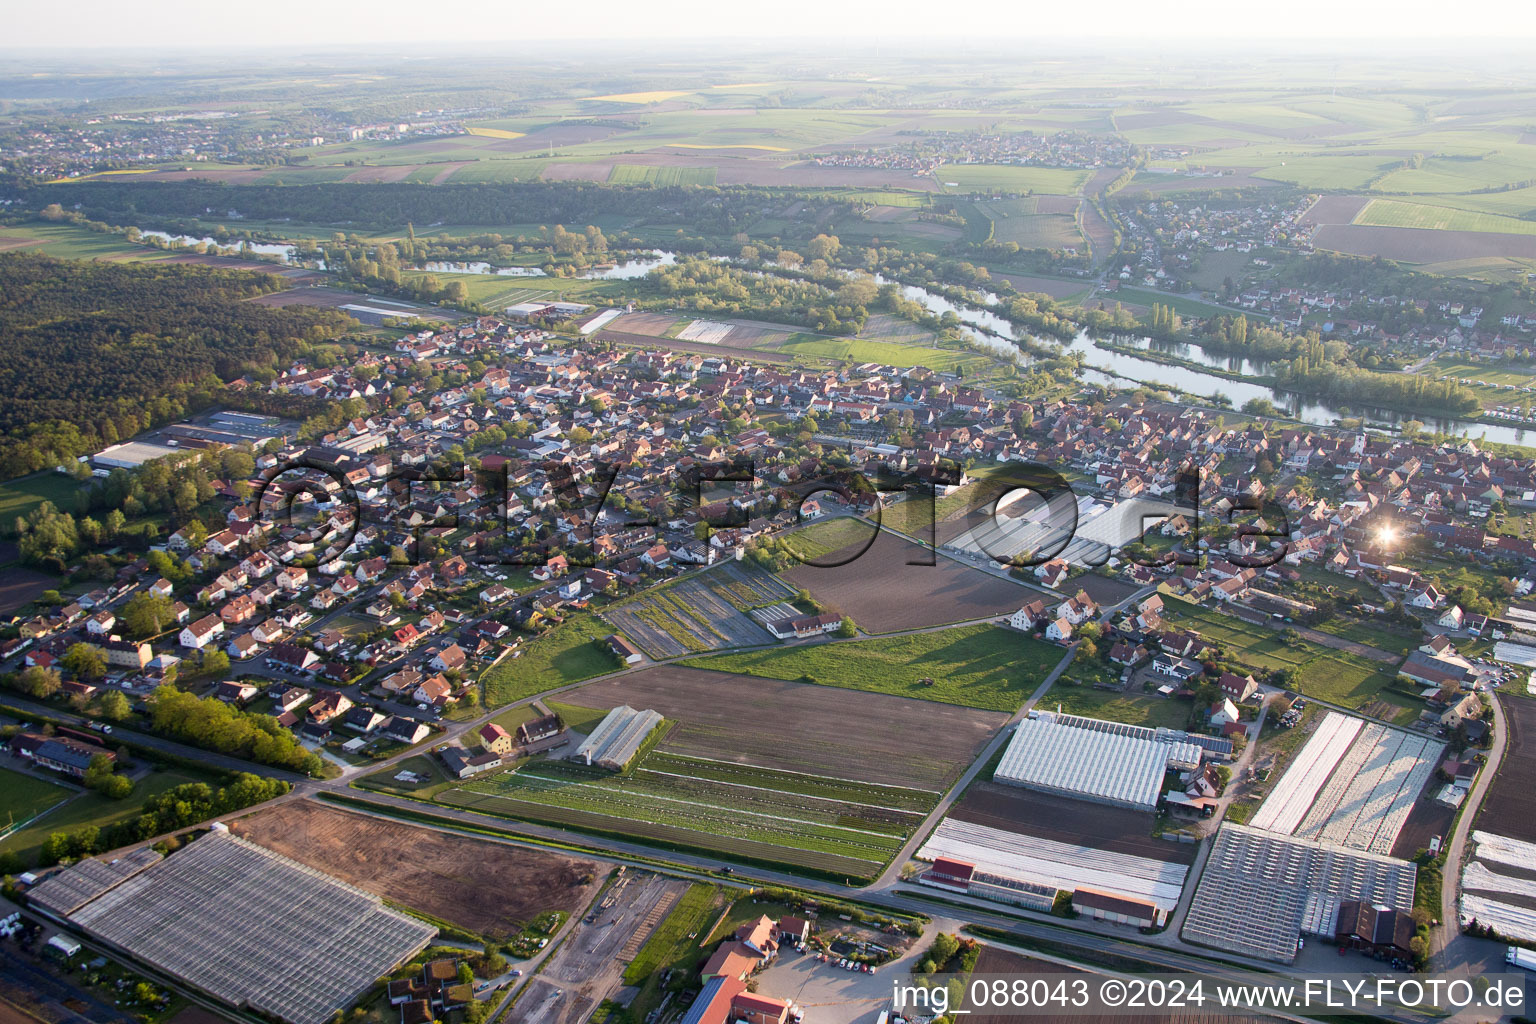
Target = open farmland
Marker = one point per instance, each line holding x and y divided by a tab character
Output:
1392	213
812	792
815	728
1023	221
978	666
885	592
1353	784
1010	178
636	174
697	614
1510	807
480	886
756	814
1422	245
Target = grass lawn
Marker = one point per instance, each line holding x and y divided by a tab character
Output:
1132	709
568	653
975	666
1344	679
675	943
27	795
21	495
1181	305
857	350
577	717
422	765
823	538
94	809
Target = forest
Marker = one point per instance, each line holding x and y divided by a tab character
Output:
171	205
91	353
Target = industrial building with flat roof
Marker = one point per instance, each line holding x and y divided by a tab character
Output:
251	928
617	738
1106	762
1261	891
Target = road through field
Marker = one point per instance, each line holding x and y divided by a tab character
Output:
892	873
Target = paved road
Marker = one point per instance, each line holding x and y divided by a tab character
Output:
1449	931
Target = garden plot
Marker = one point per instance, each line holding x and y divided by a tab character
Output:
1510	921
1288	804
1503	850
705	332
689	617
747	589
1372	789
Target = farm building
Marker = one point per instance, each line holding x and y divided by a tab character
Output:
963	877
1261	892
1025	870
802	626
1106	762
617	738
1104	906
253	929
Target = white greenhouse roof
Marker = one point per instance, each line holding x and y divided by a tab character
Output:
254	929
1086	757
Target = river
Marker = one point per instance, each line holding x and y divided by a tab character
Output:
1103	366
1108	367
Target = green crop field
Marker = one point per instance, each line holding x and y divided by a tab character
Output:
1010	178
635	174
823	823
976	666
1394	214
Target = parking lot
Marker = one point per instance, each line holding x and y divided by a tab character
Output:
832	995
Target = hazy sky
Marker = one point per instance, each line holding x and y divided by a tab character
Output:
220	24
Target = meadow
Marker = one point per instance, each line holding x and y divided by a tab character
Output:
1341	678
567	653
978	666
